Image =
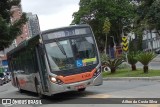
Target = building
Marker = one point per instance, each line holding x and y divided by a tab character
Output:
151	40
33	24
17	13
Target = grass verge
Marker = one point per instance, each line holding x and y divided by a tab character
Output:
129	73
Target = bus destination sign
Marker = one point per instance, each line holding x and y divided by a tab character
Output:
66	33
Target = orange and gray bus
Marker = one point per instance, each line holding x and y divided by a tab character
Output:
56	60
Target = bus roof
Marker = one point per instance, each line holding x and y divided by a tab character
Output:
25	42
67	27
22	45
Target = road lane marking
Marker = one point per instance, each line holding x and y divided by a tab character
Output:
149	105
98	96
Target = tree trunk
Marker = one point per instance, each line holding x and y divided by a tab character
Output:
145	69
113	70
105	45
134	67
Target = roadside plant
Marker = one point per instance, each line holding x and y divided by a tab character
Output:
104	57
114	63
145	58
132	60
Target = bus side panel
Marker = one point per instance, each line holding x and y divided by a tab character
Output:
98	80
13	79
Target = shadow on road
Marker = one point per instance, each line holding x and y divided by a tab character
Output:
65	97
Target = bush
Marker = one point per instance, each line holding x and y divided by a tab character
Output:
113	64
145	58
132	59
104	58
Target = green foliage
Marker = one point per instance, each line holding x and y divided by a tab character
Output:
106	29
148	15
1	70
153	15
104	58
9	31
129	73
145	58
106	26
94	12
132	58
113	64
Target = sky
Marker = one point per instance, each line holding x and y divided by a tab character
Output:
51	13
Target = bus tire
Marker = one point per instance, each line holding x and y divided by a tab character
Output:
18	86
39	92
82	89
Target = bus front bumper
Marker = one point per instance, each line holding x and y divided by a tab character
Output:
55	88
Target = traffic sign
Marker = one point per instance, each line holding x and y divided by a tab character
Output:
124	44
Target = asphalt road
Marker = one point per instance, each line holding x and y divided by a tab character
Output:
109	89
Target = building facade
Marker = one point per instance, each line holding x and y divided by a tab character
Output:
151	41
33	24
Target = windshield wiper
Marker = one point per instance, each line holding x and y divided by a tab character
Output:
63	52
61	47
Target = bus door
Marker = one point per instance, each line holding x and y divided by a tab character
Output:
42	69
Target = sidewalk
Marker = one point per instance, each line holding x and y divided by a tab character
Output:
157	59
132	78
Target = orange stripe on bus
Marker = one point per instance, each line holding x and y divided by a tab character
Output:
77	77
22	82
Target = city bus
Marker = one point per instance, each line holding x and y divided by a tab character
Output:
56	61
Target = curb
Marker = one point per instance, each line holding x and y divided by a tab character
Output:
132	78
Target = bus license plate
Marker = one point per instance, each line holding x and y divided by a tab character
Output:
79	87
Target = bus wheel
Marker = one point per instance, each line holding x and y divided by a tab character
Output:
19	88
82	89
39	92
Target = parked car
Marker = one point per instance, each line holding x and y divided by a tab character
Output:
2	80
157	51
8	76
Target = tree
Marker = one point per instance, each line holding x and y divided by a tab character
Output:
106	29
113	64
132	60
145	58
148	15
153	15
94	13
9	31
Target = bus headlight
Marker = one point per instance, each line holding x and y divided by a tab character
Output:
98	71
52	79
55	80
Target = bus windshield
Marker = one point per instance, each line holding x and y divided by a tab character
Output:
71	53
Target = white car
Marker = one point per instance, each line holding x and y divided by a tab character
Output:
2	79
